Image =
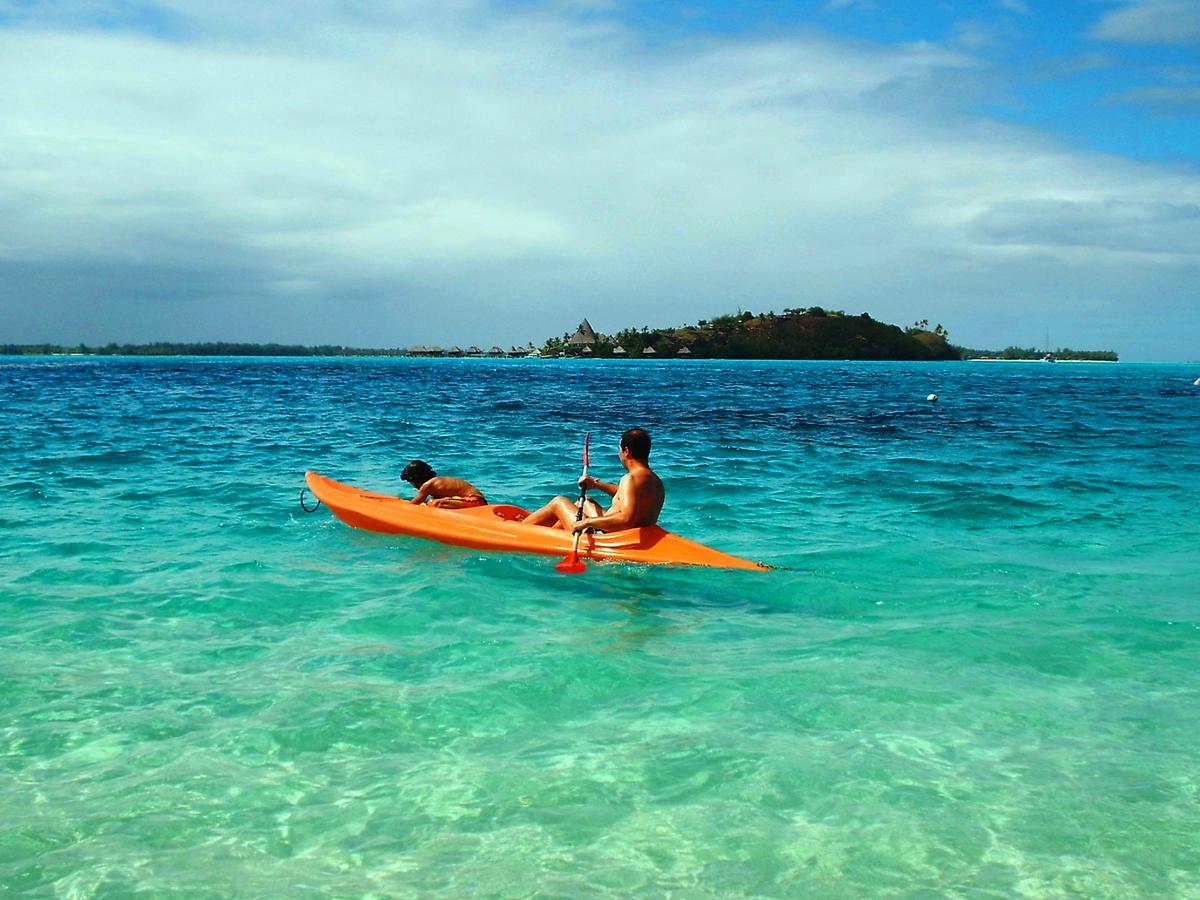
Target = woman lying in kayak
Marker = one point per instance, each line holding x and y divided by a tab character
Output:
444	493
637	499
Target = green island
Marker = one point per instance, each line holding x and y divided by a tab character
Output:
810	333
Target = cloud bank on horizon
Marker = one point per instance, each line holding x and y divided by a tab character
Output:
483	171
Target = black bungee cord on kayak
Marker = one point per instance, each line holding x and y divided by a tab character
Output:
315	506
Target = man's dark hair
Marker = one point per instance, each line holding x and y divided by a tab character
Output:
417	473
637	442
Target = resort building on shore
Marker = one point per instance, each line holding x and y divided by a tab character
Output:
584	343
587	343
513	352
585	336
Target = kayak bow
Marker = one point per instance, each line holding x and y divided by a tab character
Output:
500	527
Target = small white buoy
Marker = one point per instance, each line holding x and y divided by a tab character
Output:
1196	382
932	398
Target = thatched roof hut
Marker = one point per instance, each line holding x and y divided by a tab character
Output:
584	335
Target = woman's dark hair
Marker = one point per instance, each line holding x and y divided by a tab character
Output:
417	473
637	442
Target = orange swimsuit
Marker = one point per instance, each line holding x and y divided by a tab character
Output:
458	502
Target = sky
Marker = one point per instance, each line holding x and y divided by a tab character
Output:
382	174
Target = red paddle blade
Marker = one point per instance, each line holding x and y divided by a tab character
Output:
571	565
587	440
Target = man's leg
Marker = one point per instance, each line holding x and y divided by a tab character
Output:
555	513
561	511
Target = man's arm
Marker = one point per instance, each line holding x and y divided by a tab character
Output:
627	504
590	482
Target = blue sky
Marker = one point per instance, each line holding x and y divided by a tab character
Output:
483	171
1116	77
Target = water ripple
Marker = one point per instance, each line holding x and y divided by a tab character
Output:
973	672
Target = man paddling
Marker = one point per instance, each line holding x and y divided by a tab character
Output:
637	498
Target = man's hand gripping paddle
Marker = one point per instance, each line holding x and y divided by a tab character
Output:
571	564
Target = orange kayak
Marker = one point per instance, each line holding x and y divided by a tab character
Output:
500	527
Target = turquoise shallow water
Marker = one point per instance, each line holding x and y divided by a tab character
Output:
976	671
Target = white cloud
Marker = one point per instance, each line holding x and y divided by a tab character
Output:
1119	227
1168	99
1152	22
344	180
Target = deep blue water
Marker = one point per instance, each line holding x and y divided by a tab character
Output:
974	672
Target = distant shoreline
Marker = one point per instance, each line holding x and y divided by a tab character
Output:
1005	359
633	360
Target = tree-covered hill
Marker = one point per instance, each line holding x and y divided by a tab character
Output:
811	333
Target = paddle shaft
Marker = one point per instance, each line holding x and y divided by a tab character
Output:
587	440
572	563
583	487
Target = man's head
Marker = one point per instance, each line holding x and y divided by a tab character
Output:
636	442
417	473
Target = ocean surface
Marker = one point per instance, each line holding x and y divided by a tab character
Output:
974	671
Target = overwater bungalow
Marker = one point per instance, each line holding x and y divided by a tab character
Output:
649	351
619	351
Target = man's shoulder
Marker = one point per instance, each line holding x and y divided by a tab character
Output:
643	476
